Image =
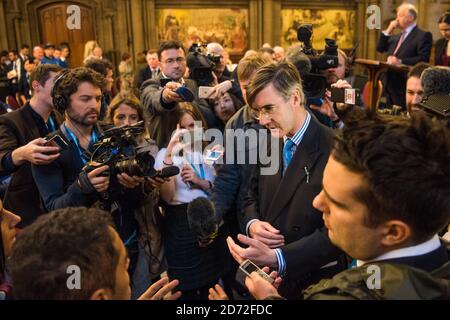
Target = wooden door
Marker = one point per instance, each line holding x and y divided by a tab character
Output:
53	29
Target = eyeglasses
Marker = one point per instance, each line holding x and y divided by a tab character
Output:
177	60
266	111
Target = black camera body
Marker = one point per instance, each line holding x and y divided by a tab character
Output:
314	83
201	64
118	148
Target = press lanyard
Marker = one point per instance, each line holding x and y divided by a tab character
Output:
75	140
51	124
200	174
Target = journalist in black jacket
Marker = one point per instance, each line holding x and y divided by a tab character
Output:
21	143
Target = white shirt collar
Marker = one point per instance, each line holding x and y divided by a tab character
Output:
417	250
408	30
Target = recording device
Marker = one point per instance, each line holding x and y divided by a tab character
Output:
205	92
183	92
164	81
167	172
56	140
201	64
248	267
202	220
213	156
119	148
314	83
437	104
347	96
436	86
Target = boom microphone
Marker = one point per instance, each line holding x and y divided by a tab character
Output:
436	79
202	220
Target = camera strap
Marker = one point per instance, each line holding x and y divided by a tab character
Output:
74	138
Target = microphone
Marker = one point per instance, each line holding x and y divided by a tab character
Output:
435	79
436	86
202	220
168	172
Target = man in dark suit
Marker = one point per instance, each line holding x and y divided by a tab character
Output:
393	235
151	71
21	144
161	99
286	231
413	45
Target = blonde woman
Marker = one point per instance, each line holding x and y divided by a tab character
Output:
89	49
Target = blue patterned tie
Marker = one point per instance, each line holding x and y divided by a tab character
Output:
287	153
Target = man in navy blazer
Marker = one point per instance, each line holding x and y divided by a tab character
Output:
413	45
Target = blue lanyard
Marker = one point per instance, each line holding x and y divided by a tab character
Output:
200	174
75	140
51	124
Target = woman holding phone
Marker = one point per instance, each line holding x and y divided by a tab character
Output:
196	264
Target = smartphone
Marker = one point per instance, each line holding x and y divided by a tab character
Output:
347	96
164	81
204	92
57	141
213	155
248	267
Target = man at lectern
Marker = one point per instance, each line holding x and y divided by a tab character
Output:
409	47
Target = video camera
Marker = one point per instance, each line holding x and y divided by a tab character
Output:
314	83
201	64
118	148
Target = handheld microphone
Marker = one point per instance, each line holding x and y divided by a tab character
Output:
167	172
202	220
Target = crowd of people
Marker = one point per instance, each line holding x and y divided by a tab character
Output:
314	191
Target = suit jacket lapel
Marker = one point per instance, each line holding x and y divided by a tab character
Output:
29	122
305	155
409	39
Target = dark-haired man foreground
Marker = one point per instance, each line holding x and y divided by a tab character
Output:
75	253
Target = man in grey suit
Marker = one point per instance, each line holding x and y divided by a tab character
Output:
159	97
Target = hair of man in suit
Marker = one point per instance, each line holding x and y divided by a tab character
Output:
152	58
414	90
81	237
247	67
42	73
171	44
105	68
412	10
404	166
283	76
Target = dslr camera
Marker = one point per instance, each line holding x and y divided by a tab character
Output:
201	64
